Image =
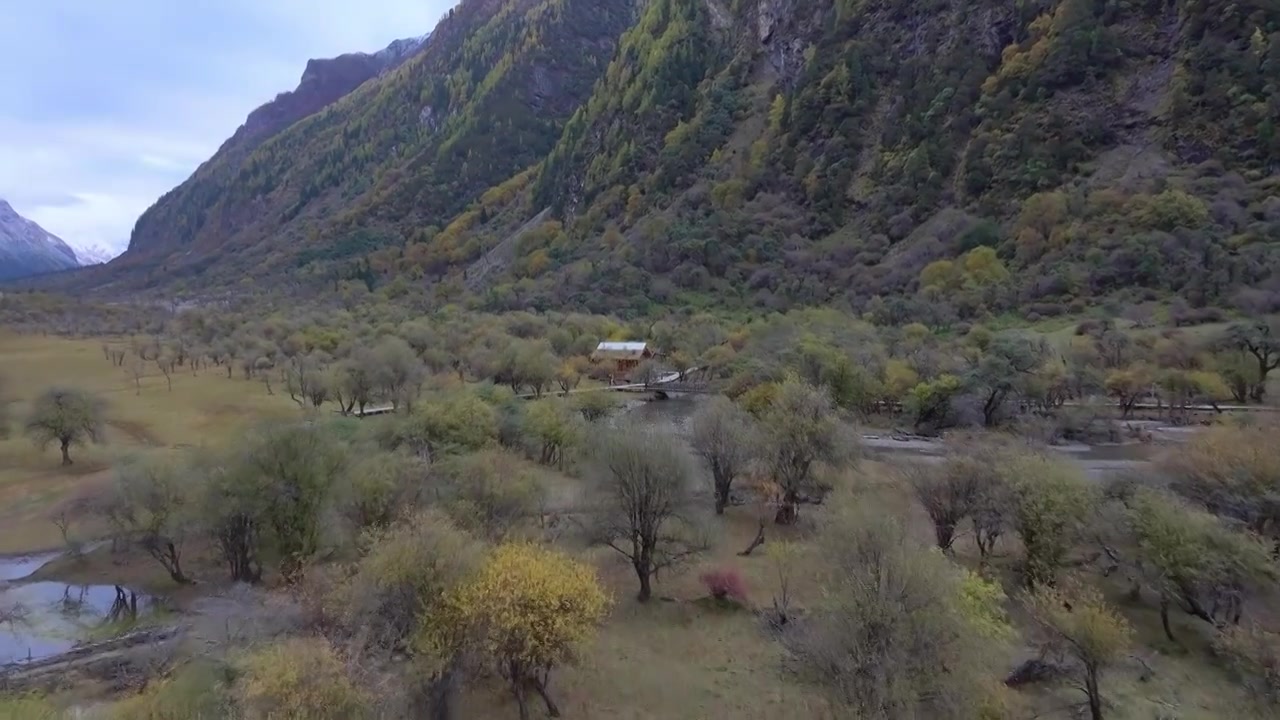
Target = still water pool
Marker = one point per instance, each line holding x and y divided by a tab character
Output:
42	619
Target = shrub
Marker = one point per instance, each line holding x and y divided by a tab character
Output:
377	488
492	492
1045	309
1092	327
405	574
1254	656
197	690
298	679
28	707
725	584
899	631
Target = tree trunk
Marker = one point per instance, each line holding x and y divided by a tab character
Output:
1164	619
1264	369
516	679
1095	696
442	692
167	554
66	451
646	589
945	534
541	686
989	409
788	510
175	565
757	542
722	495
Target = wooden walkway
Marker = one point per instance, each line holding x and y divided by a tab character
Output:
669	384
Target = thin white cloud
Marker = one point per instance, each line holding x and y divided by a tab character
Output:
109	105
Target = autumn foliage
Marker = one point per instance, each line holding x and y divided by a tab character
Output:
301	678
527	609
725	584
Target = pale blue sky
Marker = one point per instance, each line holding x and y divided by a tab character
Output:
104	106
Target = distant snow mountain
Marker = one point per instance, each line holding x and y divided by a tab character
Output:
398	50
93	254
28	249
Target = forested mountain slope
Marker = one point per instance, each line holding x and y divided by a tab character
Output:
483	100
764	153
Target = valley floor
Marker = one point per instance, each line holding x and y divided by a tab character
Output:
675	658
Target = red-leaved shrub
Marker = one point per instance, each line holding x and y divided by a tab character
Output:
725	584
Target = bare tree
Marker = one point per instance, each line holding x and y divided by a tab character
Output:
897	633
263	365
165	364
354	384
644	480
304	379
724	436
5	401
231	513
802	432
948	493
397	371
149	504
137	370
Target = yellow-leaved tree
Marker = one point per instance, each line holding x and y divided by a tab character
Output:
526	610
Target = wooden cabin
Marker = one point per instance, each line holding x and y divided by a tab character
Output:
622	357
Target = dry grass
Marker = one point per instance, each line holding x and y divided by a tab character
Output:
676	658
201	409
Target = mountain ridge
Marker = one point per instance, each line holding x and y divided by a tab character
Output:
27	249
323	82
770	153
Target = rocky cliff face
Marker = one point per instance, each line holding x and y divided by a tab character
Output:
28	249
324	82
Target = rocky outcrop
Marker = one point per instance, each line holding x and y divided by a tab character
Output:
324	82
771	14
28	249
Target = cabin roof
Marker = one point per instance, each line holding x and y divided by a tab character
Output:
620	350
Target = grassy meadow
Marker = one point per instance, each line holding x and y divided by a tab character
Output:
146	417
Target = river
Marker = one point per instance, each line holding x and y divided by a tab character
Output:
1097	460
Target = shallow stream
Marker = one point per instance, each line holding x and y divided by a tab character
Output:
1097	460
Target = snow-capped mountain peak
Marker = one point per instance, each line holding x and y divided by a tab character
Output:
89	254
28	249
402	48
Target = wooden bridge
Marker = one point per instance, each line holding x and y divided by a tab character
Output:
685	387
